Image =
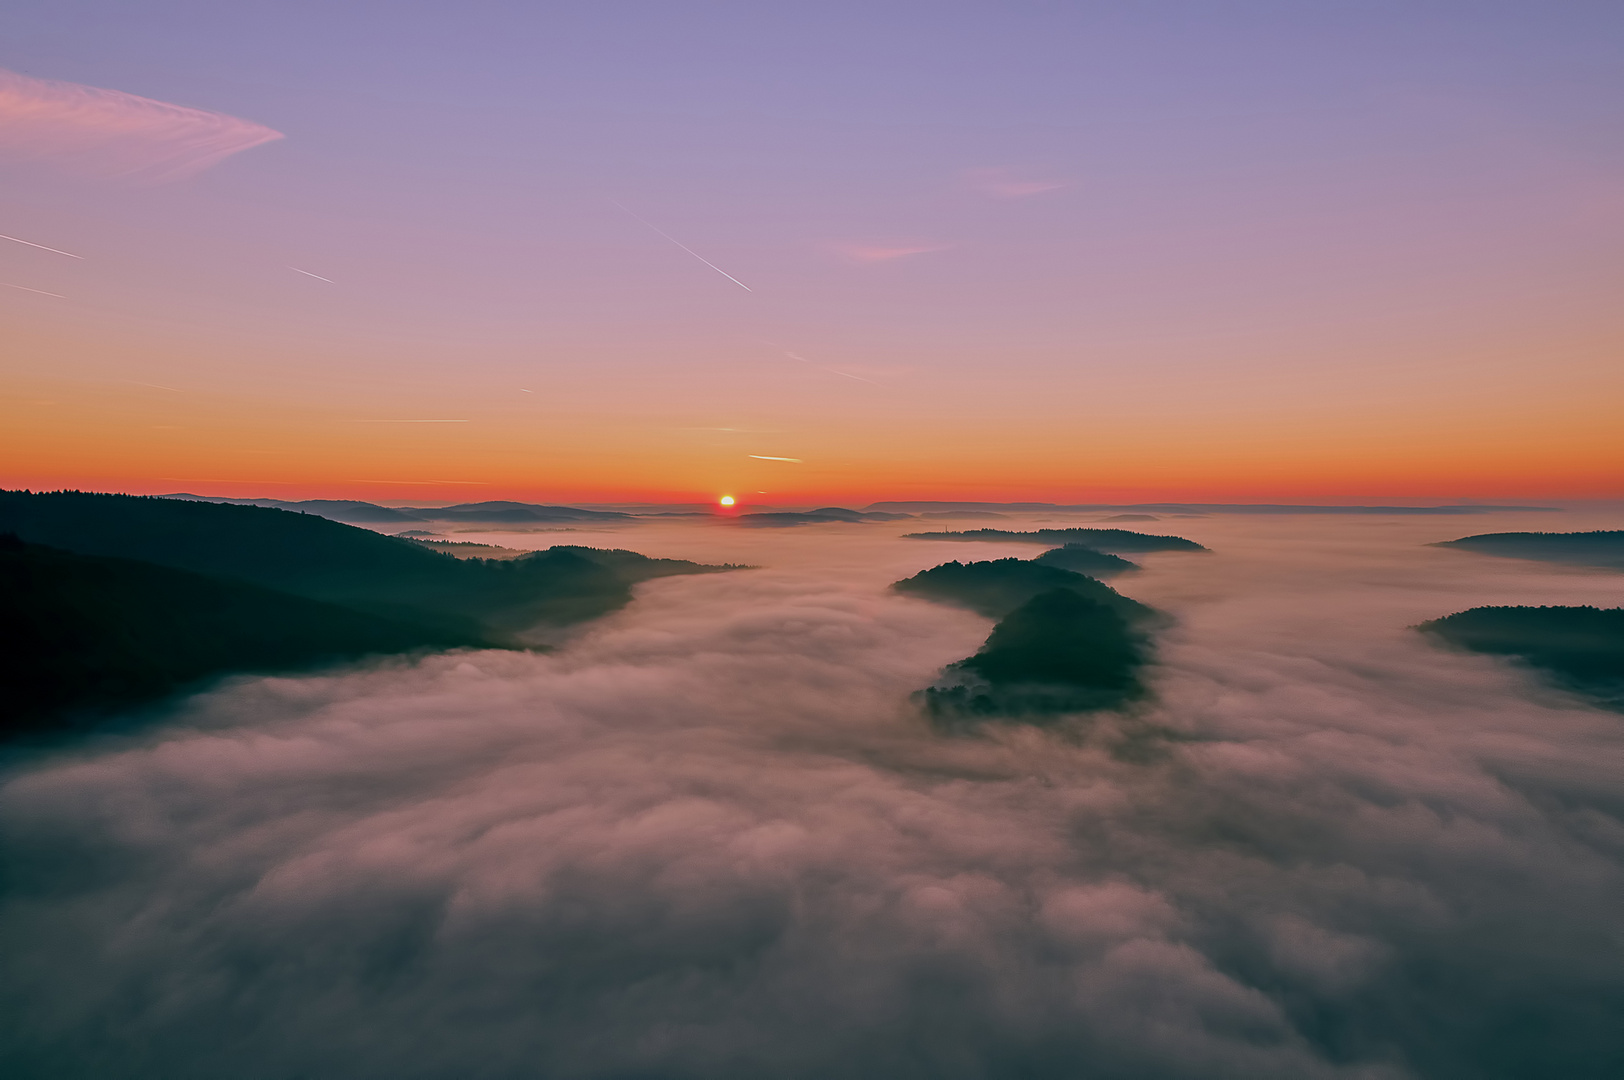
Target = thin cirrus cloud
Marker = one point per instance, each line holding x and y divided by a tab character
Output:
1003	184
872	253
111	134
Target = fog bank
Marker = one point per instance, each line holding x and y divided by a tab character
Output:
710	837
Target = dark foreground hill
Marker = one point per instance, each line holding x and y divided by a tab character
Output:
1583	647
1601	548
1066	643
996	587
325	560
83	633
1117	541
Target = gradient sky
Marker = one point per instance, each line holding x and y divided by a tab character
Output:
1017	251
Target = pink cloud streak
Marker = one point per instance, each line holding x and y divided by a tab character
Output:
113	134
1000	184
882	253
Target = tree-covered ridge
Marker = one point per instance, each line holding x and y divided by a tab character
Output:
1602	548
1085	560
1066	643
1059	652
84	633
1116	541
996	587
1582	646
326	560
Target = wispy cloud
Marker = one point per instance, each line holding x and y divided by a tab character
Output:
868	253
109	133
1002	184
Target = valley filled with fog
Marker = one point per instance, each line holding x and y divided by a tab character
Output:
712	835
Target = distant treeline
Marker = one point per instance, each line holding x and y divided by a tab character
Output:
1119	541
1601	548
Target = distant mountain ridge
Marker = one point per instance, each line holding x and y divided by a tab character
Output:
354	511
1198	508
823	515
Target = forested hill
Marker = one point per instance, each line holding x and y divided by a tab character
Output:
1116	541
1582	647
80	634
319	559
996	587
1602	548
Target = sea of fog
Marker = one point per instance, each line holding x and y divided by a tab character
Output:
709	837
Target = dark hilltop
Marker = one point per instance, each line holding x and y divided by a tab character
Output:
1579	648
1603	548
221	588
1065	643
1118	541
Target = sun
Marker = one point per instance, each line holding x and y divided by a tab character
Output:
726	500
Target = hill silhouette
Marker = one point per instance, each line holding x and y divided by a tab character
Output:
996	587
351	510
80	634
772	519
1085	560
1582	647
1059	652
320	559
1117	541
1601	548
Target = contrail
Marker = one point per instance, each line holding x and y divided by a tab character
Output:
820	367
689	250
413	422
318	277
42	292
42	247
765	457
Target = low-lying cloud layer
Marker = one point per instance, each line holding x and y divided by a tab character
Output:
108	133
710	838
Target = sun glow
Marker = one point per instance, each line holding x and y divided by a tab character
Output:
726	500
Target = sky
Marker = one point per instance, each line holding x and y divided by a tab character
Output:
639	251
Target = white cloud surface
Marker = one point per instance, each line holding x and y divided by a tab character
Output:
710	838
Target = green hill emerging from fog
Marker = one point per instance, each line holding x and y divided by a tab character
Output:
1066	643
80	633
1119	541
112	600
1583	647
1601	548
997	587
1085	560
325	560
